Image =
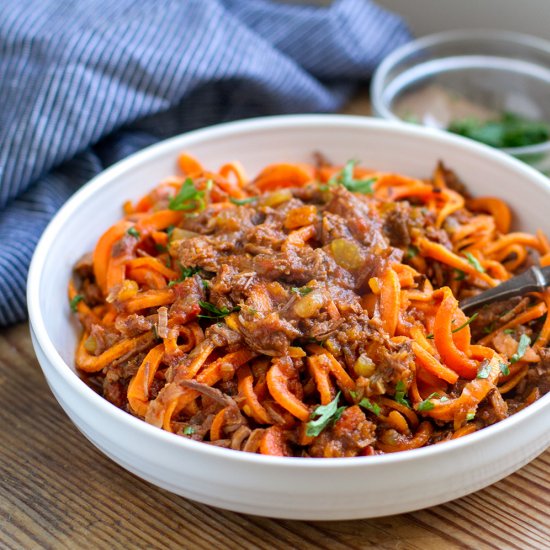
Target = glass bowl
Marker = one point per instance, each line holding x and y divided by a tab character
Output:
476	75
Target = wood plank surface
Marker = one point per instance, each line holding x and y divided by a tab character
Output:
58	491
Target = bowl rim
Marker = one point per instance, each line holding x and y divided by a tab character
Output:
79	387
448	37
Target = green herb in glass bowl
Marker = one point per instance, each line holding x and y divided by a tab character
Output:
510	130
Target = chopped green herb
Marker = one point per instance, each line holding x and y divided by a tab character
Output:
325	414
504	369
412	251
443	399
510	130
189	271
205	284
353	394
345	178
369	405
470	416
473	261
170	230
216	312
303	291
400	392
463	325
134	233
74	302
361	186
240	202
466	323
524	342
186	272
459	275
188	198
427	405
188	430
484	370
489	328
508	331
161	248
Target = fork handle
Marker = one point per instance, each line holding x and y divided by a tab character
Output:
534	279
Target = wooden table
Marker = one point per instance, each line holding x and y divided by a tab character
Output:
58	491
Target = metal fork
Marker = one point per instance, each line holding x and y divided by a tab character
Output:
534	279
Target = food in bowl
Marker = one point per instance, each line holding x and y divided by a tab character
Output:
445	109
312	311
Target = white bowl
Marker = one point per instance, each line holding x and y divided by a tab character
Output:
297	488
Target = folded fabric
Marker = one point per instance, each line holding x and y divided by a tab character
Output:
83	84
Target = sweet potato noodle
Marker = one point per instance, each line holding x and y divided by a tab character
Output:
311	311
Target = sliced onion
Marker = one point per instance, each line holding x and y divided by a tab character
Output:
162	328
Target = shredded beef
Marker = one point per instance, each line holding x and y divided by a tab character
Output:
253	265
396	228
351	433
452	181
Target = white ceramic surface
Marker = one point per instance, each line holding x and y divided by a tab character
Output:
273	486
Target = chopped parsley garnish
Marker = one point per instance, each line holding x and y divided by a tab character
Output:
427	405
303	291
508	331
412	251
466	323
484	370
474	262
216	312
463	325
161	248
74	302
188	430
524	342
459	275
345	178
369	405
400	392
470	416
186	272
240	202
489	328
325	414
510	130
189	271
504	369
353	394
188	197
134	233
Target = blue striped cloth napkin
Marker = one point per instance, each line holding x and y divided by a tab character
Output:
85	83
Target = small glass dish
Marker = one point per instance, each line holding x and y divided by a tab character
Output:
457	77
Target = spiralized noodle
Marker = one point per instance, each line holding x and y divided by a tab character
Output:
311	311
